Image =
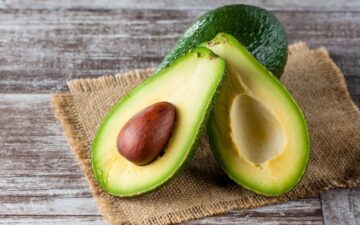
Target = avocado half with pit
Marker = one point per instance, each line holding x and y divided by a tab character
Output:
145	117
256	130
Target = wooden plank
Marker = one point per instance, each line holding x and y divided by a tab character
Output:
31	184
320	5
341	206
41	191
306	211
46	220
353	84
82	206
294	212
31	137
42	49
80	44
48	205
35	157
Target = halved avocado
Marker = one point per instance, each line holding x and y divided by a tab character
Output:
257	131
190	84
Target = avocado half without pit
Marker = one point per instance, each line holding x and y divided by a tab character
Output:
152	131
256	130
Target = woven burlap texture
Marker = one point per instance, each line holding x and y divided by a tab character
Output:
202	188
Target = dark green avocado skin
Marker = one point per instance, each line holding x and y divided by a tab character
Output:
257	29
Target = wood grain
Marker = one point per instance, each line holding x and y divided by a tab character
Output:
319	5
341	206
46	220
48	205
306	211
42	49
35	157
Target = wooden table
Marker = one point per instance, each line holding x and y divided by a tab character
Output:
43	43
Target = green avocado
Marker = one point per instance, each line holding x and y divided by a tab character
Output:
255	28
257	132
190	84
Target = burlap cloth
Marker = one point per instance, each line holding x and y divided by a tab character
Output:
202	189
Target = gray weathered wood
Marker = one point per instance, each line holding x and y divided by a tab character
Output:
46	220
341	206
42	51
35	157
319	5
293	212
48	205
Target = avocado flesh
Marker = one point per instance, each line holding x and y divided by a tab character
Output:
257	131
190	84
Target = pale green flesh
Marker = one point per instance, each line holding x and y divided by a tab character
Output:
257	131
190	85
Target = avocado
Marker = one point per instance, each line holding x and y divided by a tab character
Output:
255	28
257	132
190	85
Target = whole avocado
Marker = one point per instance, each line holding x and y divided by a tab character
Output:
255	28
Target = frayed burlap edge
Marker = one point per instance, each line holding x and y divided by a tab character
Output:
95	84
71	127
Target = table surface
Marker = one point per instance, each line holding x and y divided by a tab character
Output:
44	43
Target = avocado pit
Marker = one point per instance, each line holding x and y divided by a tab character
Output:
145	136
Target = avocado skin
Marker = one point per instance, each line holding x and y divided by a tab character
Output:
255	28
